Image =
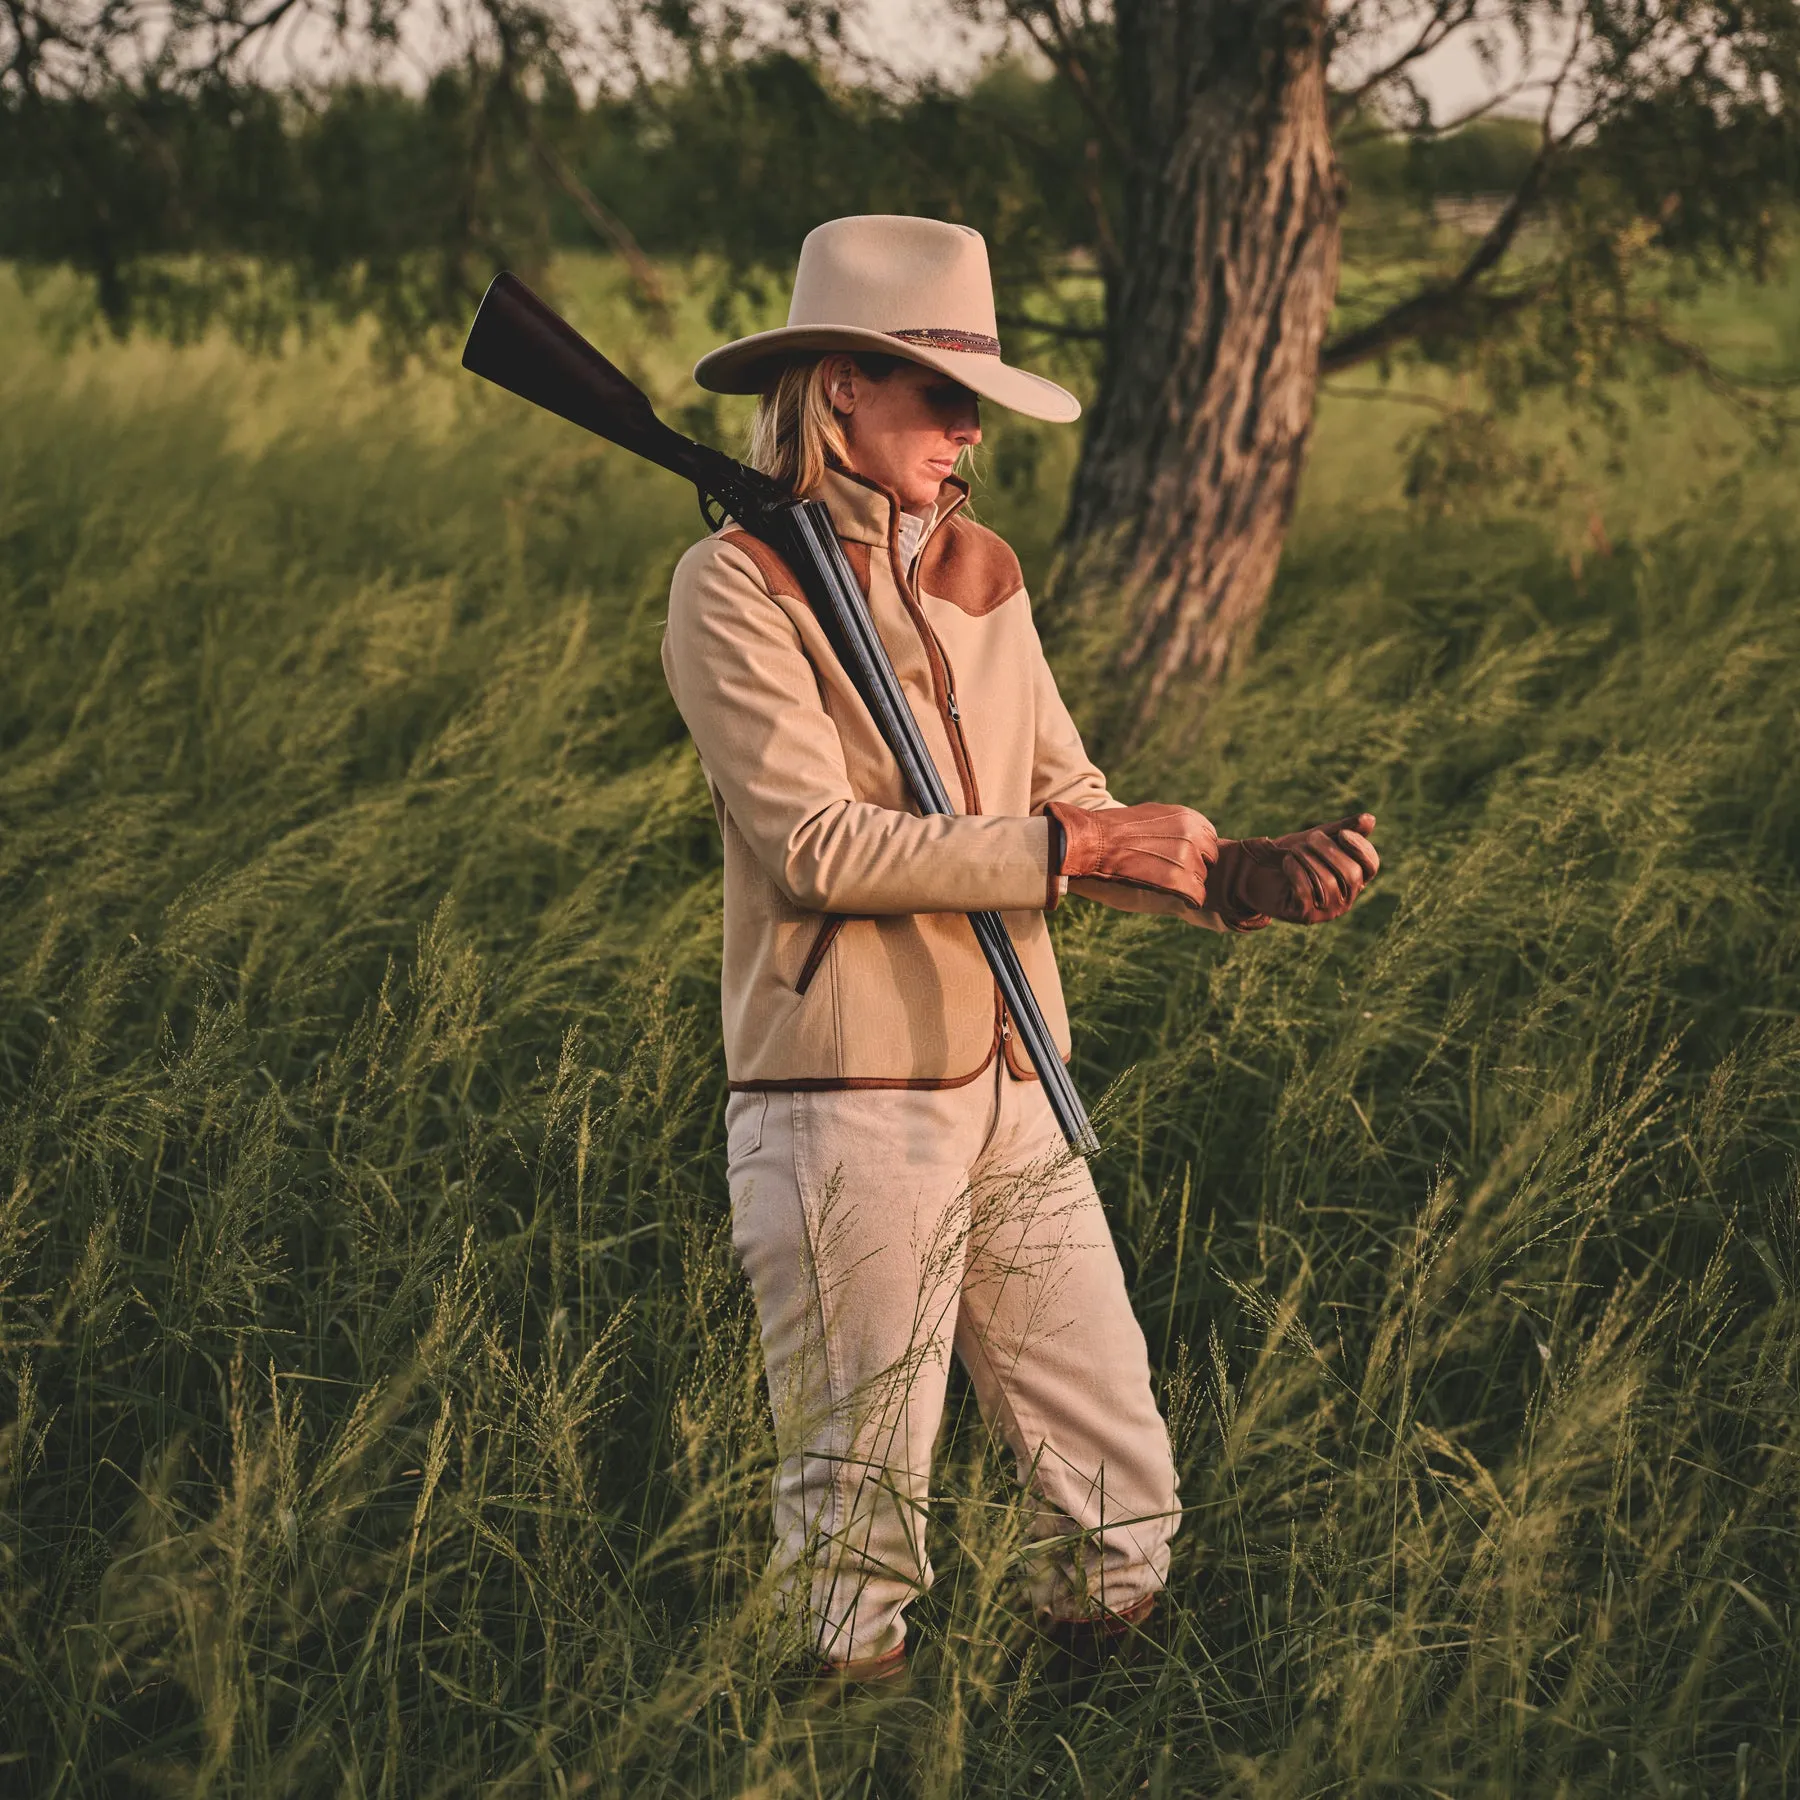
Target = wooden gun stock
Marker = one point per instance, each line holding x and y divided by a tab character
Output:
520	344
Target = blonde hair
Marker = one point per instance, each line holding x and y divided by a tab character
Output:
796	435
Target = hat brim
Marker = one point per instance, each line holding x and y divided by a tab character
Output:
749	364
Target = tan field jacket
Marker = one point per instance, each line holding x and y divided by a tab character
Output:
847	962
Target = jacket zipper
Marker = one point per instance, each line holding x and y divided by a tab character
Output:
965	762
909	596
953	713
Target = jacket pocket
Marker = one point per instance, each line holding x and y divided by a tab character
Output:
829	927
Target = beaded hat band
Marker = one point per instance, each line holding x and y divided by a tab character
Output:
942	337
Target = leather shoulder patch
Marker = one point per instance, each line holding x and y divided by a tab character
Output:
773	567
778	578
971	567
857	556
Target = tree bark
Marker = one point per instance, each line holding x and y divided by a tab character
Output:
1229	268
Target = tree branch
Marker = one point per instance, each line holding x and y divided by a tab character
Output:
226	52
1445	17
606	223
1106	243
1401	396
1441	302
1480	110
1744	392
1043	23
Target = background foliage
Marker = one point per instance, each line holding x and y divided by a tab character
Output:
382	1409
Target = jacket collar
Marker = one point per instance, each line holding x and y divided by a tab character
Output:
865	512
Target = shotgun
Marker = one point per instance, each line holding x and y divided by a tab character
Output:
520	344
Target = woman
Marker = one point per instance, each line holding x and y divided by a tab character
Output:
898	1185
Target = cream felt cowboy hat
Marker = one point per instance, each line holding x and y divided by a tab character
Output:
916	288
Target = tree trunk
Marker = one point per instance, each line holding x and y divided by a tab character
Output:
1229	268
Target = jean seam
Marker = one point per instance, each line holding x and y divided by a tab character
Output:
837	1409
1031	1450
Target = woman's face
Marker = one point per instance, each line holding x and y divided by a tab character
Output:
905	431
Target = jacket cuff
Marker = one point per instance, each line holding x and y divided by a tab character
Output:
1057	884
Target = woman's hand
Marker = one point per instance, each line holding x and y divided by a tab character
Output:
1165	849
1305	878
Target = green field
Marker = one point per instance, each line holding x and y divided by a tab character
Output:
383	1412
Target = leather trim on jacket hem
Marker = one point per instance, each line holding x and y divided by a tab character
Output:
828	1084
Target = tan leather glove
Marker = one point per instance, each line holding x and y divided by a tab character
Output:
1158	848
1304	878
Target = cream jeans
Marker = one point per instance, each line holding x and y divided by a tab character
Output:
882	1227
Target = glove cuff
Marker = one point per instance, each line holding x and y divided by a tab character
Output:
1235	913
1076	837
1055	884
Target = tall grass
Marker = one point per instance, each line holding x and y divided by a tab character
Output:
383	1411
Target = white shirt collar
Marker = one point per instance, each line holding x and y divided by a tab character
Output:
911	533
